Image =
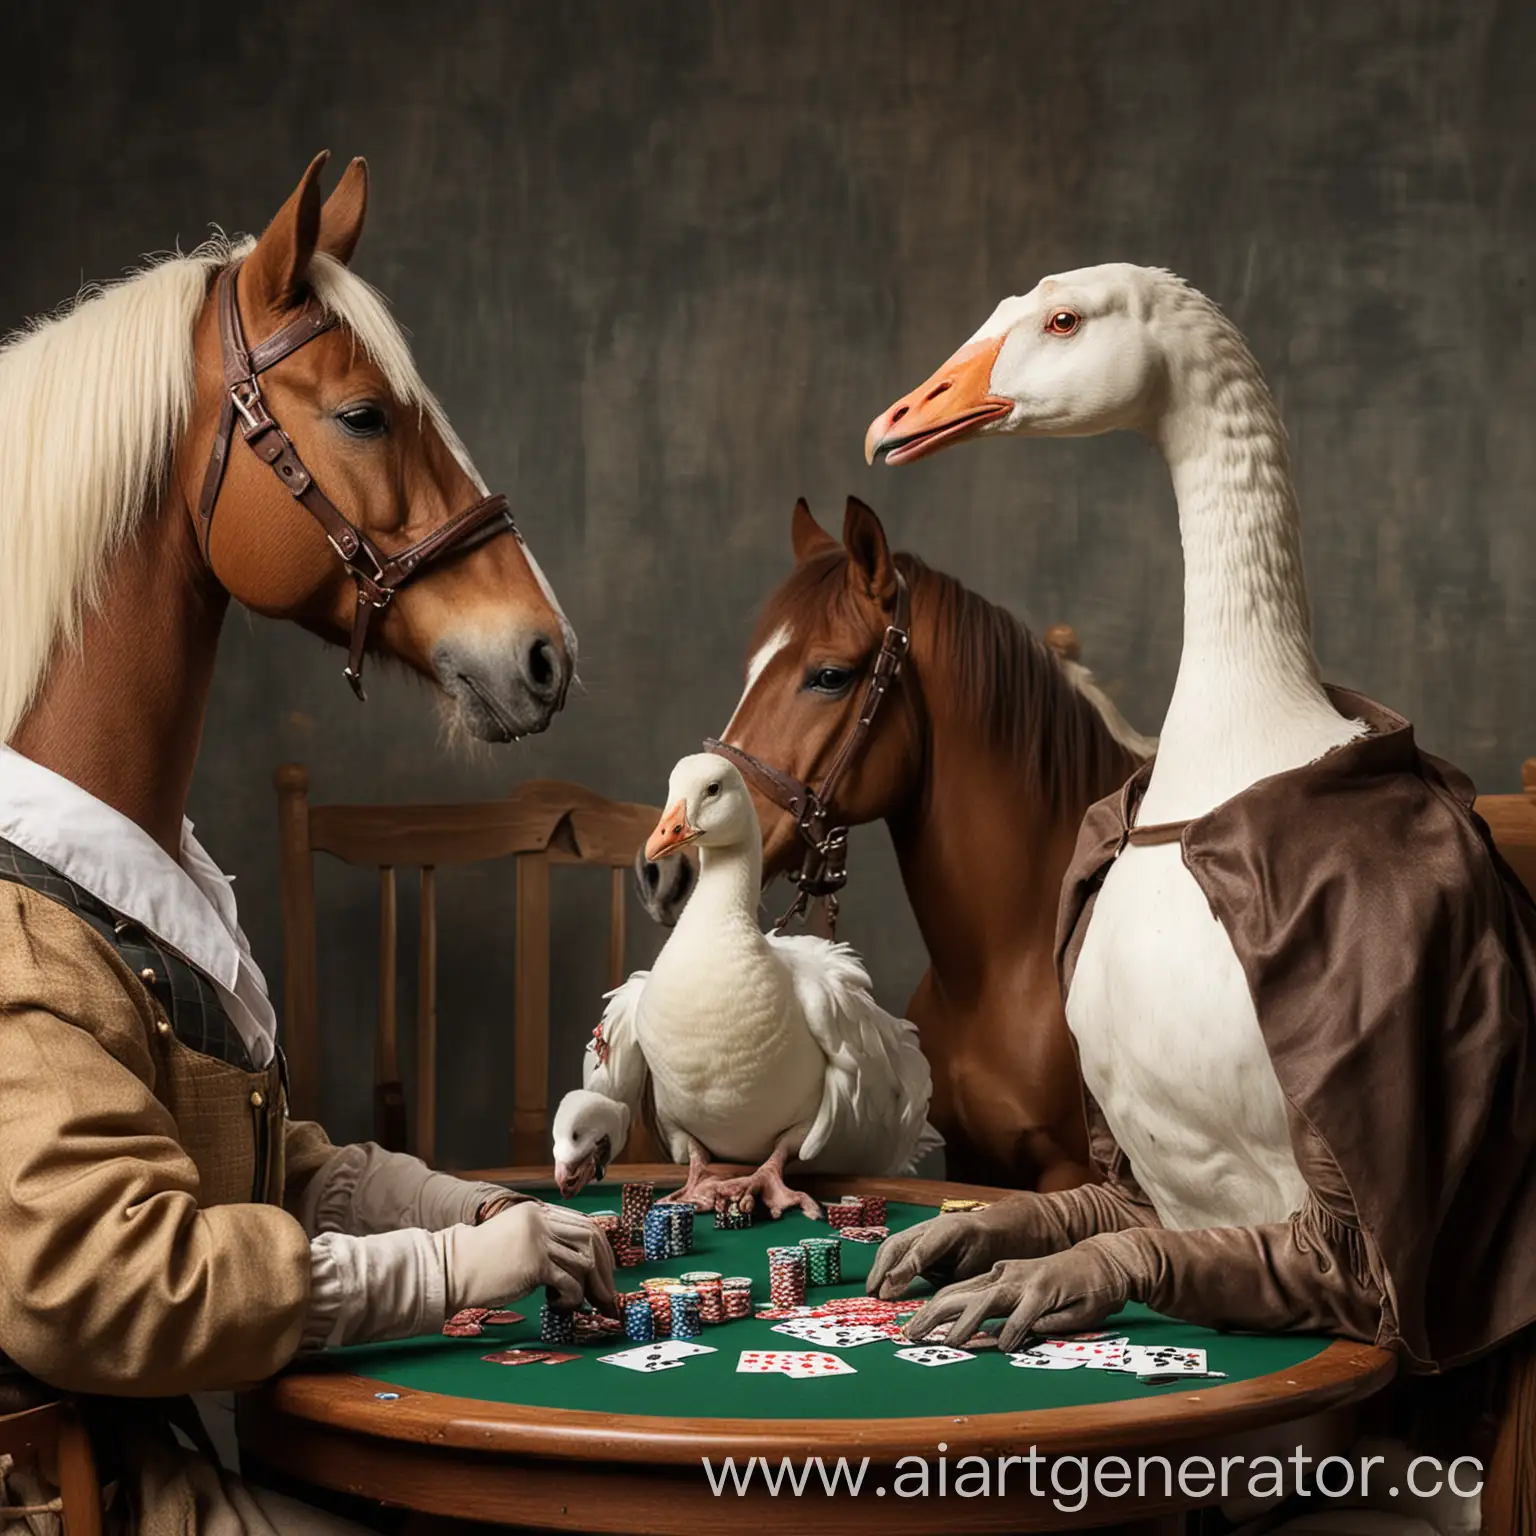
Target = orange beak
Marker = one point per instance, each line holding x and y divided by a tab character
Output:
672	832
954	404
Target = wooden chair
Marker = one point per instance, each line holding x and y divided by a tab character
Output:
54	1437
539	825
1512	820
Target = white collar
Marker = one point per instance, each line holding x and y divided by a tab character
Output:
188	906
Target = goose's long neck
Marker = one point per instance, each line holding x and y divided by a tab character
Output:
1248	701
728	892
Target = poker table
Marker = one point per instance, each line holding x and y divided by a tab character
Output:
427	1425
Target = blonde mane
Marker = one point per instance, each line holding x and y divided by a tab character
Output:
93	401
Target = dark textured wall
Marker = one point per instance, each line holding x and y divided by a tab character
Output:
663	261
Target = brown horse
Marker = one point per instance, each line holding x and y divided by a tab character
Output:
115	574
981	762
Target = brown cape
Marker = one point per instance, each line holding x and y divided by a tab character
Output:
1391	954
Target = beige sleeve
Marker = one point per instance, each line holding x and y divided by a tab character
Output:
306	1150
362	1190
112	1280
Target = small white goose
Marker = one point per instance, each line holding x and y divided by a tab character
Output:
758	1048
1169	1041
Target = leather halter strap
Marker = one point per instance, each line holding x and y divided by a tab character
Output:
824	866
1156	834
378	576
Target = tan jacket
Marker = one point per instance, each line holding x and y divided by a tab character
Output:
133	1261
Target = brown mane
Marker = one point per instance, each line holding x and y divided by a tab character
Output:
1007	681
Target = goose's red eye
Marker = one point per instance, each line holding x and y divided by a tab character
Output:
1062	323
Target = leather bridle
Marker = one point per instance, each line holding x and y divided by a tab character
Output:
824	866
378	576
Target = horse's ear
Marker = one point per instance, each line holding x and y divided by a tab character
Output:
869	563
341	220
274	272
807	535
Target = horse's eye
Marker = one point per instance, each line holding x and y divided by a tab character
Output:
365	420
831	680
1063	323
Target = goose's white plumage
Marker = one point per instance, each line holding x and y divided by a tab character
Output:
750	1044
1167	1035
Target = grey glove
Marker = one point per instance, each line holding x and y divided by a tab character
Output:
1312	1274
1022	1226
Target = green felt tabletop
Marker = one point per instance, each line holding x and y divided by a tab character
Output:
708	1386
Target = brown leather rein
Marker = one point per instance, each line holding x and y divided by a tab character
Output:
823	869
378	576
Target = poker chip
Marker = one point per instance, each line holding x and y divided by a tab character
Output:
786	1276
734	1218
627	1254
466	1323
951	1207
660	1302
874	1211
686	1322
462	1330
557	1325
709	1284
847	1212
736	1297
502	1318
656	1235
823	1260
864	1234
639	1325
635	1200
680	1221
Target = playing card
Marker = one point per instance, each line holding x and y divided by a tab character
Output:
1162	1360
518	1356
808	1365
663	1355
1097	1354
932	1354
828	1333
761	1362
1028	1362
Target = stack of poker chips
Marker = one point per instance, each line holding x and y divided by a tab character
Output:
557	1324
466	1323
707	1282
786	1276
734	1218
874	1211
634	1201
681	1219
736	1297
823	1260
659	1300
950	1207
639	1325
686	1322
656	1235
846	1212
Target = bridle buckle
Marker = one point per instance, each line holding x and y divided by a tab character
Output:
245	396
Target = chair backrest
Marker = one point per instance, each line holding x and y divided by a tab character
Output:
1512	820
539	824
53	1438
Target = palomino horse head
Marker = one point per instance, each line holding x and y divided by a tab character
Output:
481	621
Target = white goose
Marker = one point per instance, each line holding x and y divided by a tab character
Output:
1167	1033
756	1048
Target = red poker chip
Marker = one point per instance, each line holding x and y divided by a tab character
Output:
462	1330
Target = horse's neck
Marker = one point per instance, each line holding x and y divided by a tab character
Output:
982	854
121	713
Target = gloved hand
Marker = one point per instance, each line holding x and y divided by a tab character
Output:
1022	1226
1061	1293
523	1247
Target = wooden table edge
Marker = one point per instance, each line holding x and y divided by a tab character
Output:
1344	1372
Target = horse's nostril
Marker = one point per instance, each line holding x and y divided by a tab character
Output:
543	668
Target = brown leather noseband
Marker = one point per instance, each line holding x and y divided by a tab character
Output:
824	867
378	576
